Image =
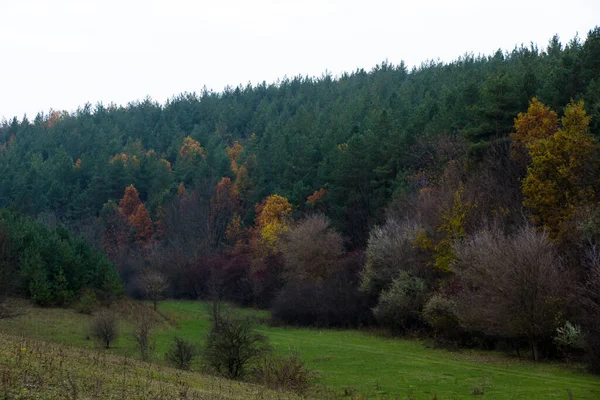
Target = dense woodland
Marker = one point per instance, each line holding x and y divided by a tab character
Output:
459	199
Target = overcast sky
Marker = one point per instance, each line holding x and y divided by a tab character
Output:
61	54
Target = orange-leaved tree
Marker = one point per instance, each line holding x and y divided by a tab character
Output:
142	225
130	201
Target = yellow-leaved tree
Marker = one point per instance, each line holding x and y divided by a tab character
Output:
562	173
273	219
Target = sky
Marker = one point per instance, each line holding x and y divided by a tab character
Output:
61	54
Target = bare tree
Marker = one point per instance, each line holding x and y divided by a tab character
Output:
232	343
312	248
105	327
155	285
512	285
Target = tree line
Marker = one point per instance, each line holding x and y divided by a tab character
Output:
458	199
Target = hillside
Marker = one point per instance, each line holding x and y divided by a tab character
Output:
32	369
352	362
457	202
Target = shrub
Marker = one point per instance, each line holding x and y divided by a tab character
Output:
87	302
142	334
181	353
440	313
105	327
569	336
285	373
232	344
400	305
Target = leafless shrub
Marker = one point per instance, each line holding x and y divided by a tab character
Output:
142	334
232	344
181	354
285	373
105	328
512	285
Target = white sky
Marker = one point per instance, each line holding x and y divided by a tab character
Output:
61	54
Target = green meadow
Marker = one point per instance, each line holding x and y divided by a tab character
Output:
351	363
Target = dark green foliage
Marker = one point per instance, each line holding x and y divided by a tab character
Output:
53	266
301	127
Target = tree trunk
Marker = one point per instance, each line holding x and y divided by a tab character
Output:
535	350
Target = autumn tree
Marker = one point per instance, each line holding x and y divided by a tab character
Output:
273	219
539	122
513	286
311	249
561	176
142	225
191	148
130	202
116	230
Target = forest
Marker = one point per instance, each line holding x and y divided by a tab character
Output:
458	200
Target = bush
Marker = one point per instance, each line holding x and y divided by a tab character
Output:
232	344
400	306
440	313
87	302
285	373
181	353
105	327
142	334
569	336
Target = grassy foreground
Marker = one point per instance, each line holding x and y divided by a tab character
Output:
31	369
354	363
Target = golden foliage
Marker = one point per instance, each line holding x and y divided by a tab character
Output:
190	149
233	153
119	157
318	195
273	218
561	175
539	122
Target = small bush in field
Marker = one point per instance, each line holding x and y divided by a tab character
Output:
87	302
232	344
182	353
285	373
105	328
142	334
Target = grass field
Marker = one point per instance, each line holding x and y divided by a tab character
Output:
33	369
352	362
